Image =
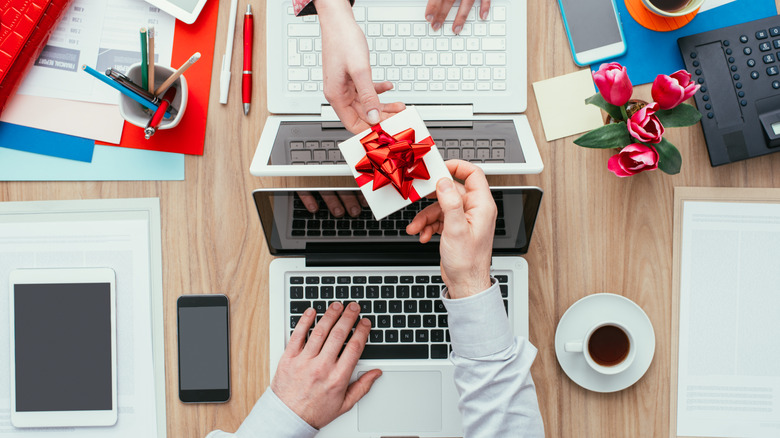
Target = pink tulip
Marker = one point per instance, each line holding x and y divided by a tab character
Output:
670	91
645	126
613	83
633	159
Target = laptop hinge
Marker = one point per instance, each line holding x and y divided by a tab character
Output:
362	259
427	112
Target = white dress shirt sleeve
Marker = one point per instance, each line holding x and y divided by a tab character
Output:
270	418
492	369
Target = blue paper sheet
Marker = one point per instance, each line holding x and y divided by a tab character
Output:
109	163
43	142
652	53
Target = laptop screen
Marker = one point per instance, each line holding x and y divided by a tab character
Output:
290	228
476	141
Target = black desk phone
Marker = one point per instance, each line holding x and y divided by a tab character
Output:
738	68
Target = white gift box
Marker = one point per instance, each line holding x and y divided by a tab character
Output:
387	200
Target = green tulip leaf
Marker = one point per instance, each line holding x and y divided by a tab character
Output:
669	158
614	135
613	110
679	116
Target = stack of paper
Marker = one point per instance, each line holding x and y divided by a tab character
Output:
49	130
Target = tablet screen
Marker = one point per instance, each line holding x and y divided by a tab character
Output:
63	347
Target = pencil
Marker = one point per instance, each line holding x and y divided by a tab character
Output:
144	60
168	82
150	32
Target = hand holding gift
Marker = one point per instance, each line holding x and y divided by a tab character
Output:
395	163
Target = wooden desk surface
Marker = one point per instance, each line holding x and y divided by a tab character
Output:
595	233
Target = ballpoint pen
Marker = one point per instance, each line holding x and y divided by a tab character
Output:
144	60
249	30
124	80
154	122
122	89
164	86
227	58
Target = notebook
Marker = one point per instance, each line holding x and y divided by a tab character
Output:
397	283
471	89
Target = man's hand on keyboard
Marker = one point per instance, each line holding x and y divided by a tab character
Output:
312	379
465	216
437	11
351	202
347	70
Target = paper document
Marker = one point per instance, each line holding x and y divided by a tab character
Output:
101	34
562	105
712	4
729	361
122	234
95	121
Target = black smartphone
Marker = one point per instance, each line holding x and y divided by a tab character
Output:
204	351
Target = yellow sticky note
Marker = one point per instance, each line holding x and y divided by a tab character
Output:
562	105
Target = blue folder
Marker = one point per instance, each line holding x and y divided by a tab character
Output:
652	53
43	142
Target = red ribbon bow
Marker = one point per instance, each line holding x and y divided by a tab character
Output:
395	159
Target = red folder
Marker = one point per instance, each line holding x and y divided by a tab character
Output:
188	136
25	26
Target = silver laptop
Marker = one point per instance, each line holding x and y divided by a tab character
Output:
397	283
470	88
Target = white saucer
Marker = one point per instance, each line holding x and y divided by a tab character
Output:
586	313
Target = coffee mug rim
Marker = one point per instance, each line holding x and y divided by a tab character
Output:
613	369
692	7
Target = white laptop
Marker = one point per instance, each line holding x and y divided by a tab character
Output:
471	88
397	282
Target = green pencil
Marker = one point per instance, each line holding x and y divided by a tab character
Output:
144	61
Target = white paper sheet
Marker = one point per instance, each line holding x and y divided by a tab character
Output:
119	234
96	121
101	34
712	4
729	356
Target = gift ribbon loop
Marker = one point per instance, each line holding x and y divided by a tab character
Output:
393	159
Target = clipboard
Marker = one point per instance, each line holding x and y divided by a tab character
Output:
705	194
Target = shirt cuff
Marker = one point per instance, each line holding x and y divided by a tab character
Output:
307	8
272	418
478	324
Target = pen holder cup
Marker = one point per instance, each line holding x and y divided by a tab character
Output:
139	116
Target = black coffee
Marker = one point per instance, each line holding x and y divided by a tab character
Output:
670	5
609	345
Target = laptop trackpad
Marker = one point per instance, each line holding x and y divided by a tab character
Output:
402	401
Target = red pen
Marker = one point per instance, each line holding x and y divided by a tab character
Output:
157	117
246	85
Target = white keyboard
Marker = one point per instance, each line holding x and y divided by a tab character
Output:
405	50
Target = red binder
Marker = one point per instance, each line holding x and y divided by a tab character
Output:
25	26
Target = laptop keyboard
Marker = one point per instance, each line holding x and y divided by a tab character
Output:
408	317
405	49
324	224
473	150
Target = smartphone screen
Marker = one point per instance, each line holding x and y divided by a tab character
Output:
592	25
204	354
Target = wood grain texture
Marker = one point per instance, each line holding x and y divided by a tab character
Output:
595	233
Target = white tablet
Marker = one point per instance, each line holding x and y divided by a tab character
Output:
63	347
185	10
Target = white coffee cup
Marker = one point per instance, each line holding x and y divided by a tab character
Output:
692	6
598	363
139	116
